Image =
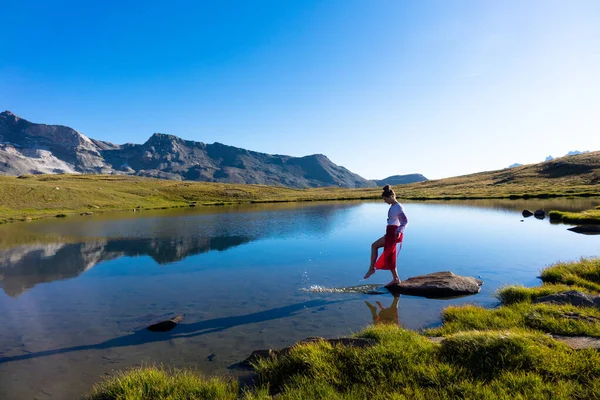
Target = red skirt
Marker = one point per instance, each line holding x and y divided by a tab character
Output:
387	259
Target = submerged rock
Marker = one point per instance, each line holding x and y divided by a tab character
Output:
573	297
438	285
165	326
586	229
527	213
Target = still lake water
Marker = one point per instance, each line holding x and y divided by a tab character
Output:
77	294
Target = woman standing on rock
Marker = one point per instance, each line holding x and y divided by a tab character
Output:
394	234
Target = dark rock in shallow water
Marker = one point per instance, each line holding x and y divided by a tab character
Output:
573	297
586	229
271	353
539	214
438	285
165	326
527	213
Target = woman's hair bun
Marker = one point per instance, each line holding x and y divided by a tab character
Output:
387	191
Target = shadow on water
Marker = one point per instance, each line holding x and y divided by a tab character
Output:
182	330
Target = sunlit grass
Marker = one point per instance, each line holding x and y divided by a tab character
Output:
517	294
157	383
585	273
584	217
556	319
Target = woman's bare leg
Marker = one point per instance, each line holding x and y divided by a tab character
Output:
396	279
374	250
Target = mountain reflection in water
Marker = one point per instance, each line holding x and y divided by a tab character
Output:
174	238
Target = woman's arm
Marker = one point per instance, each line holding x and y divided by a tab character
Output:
403	221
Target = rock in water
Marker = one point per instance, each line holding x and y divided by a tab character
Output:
539	214
165	326
527	213
438	285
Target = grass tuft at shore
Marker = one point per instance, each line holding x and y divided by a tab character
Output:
580	218
517	294
560	320
585	274
157	383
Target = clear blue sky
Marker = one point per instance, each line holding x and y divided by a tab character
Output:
442	88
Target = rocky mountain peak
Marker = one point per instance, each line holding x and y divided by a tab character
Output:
9	116
163	138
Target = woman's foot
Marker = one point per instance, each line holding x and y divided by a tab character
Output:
370	272
393	282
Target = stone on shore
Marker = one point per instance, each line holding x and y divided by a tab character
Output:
527	213
438	285
573	297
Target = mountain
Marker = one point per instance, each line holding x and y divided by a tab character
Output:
514	165
400	179
30	148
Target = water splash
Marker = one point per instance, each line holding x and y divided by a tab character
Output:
364	289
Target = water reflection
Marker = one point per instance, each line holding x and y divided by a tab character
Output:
165	239
384	315
24	267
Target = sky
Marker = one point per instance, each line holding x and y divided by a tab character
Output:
381	87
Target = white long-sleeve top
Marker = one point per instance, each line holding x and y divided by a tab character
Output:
396	216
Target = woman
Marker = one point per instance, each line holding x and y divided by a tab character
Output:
394	233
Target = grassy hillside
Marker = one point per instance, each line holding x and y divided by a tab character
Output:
51	195
573	175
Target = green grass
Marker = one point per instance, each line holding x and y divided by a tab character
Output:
565	320
585	274
503	364
583	217
157	383
43	196
516	294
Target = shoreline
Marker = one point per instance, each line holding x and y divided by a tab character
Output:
58	213
514	350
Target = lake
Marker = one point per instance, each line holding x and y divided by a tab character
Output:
77	293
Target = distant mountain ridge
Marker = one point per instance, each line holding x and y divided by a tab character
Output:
401	179
30	148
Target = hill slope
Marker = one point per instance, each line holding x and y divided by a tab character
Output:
577	174
401	179
29	148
